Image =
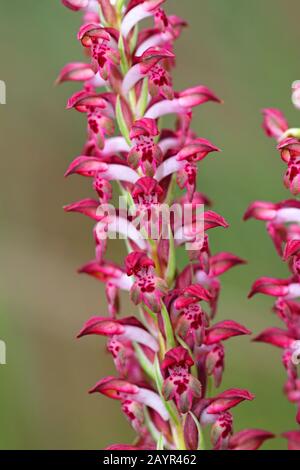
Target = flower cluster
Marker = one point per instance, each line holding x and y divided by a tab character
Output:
283	226
170	354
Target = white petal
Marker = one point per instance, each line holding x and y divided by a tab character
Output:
134	333
135	15
169	166
153	400
165	107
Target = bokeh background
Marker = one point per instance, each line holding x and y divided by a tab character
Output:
248	53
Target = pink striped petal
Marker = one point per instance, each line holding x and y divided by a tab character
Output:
75	5
119	389
90	166
85	206
86	166
261	210
212	220
82	100
270	286
75	72
104	326
197	95
292	248
249	439
222	262
101	326
227	400
276	337
197	150
107	272
274	123
225	330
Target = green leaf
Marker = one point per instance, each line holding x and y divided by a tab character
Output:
171	268
158	377
133	39
119	5
121	121
201	444
160	443
143	99
152	429
168	327
149	311
146	365
124	62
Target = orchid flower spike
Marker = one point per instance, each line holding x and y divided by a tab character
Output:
167	348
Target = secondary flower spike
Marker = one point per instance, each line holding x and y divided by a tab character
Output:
283	226
167	348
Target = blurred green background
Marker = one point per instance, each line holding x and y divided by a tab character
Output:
248	52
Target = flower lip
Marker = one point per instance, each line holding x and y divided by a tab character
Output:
147	190
176	357
192	294
91	32
292	248
144	127
152	56
136	261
